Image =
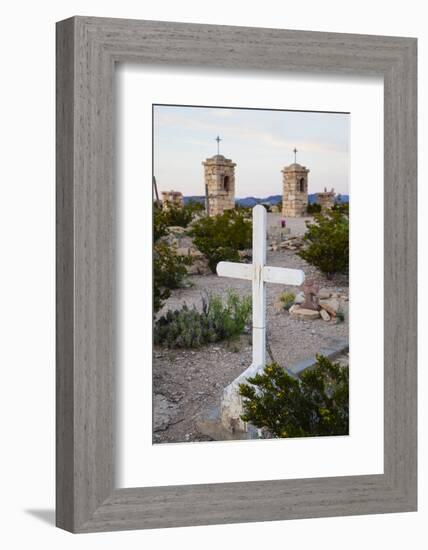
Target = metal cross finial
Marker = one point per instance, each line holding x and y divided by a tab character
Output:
295	152
218	139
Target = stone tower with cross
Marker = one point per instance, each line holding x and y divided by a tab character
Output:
219	177
295	190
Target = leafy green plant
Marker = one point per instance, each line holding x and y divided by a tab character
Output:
287	299
190	328
314	208
342	207
169	268
160	225
314	405
327	239
173	216
169	271
221	237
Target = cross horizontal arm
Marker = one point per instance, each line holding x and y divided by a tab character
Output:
235	270
283	275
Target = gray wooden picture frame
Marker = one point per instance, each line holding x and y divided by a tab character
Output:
87	50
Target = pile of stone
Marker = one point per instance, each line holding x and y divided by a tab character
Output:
313	303
293	243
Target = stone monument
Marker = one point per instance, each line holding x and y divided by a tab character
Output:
326	199
295	190
310	289
172	198
219	176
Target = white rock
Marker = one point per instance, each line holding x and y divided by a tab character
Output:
324	315
331	306
300	298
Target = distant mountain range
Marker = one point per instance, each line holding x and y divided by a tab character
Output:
271	200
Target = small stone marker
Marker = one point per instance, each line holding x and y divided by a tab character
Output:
260	274
310	288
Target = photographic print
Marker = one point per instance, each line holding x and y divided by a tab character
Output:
250	274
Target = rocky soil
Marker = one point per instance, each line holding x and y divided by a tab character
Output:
187	382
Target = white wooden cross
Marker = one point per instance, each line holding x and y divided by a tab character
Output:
260	274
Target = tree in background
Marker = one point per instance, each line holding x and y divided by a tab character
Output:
314	208
222	237
177	216
327	239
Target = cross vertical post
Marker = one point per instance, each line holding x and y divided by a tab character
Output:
259	286
259	274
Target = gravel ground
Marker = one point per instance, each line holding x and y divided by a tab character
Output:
192	381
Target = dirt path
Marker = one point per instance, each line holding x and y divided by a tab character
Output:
192	381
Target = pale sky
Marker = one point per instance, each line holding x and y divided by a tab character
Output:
261	142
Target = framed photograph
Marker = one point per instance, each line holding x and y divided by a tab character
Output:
236	274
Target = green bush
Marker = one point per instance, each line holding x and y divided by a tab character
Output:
327	239
221	237
160	225
190	328
169	268
342	207
287	298
314	208
314	405
169	271
176	216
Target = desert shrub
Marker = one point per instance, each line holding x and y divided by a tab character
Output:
221	237
176	216
342	207
169	271
247	211
160	225
327	239
169	268
287	299
190	328
314	405
314	208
